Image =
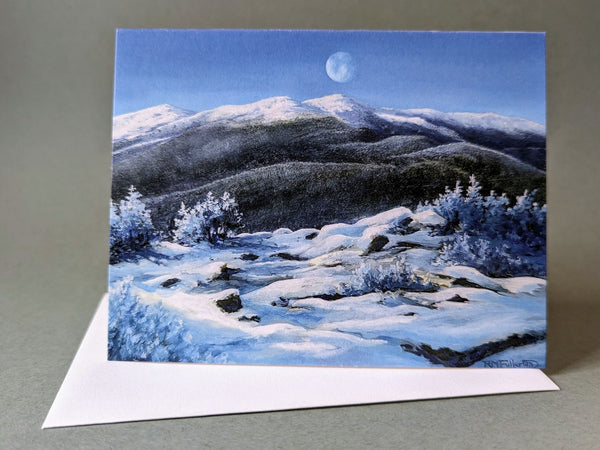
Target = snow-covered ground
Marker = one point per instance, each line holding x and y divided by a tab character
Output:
304	300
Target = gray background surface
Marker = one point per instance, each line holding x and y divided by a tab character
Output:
56	63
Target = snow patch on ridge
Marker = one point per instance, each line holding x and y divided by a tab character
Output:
480	121
269	110
133	125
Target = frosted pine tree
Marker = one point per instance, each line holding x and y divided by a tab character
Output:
212	220
131	226
491	235
449	205
189	226
229	217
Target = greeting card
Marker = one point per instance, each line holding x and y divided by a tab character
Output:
328	198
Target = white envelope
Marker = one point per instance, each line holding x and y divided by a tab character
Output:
98	391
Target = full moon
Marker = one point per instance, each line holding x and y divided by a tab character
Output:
341	67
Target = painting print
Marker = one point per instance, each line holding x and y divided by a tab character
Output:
329	198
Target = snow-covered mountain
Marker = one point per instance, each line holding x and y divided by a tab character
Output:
348	110
481	121
157	124
372	158
268	110
146	121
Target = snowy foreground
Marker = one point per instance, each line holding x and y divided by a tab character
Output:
304	298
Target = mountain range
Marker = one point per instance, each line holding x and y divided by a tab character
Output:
326	160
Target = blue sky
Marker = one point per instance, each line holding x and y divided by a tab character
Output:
203	69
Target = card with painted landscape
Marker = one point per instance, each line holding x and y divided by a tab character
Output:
328	198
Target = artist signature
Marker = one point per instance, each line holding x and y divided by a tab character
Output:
511	363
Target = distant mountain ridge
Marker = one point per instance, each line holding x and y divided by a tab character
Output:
324	159
168	121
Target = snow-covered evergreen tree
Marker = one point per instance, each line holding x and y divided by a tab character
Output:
189	226
449	206
212	220
145	332
131	226
490	234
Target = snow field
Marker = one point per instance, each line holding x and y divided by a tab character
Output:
299	305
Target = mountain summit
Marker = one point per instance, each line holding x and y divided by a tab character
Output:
132	125
268	110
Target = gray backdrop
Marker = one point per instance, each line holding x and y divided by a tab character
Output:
56	63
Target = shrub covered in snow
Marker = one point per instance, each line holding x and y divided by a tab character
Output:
493	235
212	220
142	332
131	227
369	277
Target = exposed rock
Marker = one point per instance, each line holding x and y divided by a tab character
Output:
453	358
329	297
469	277
311	235
287	256
377	244
248	257
408	245
284	302
253	318
402	226
226	273
441	281
458	299
463	282
231	303
300	308
170	282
